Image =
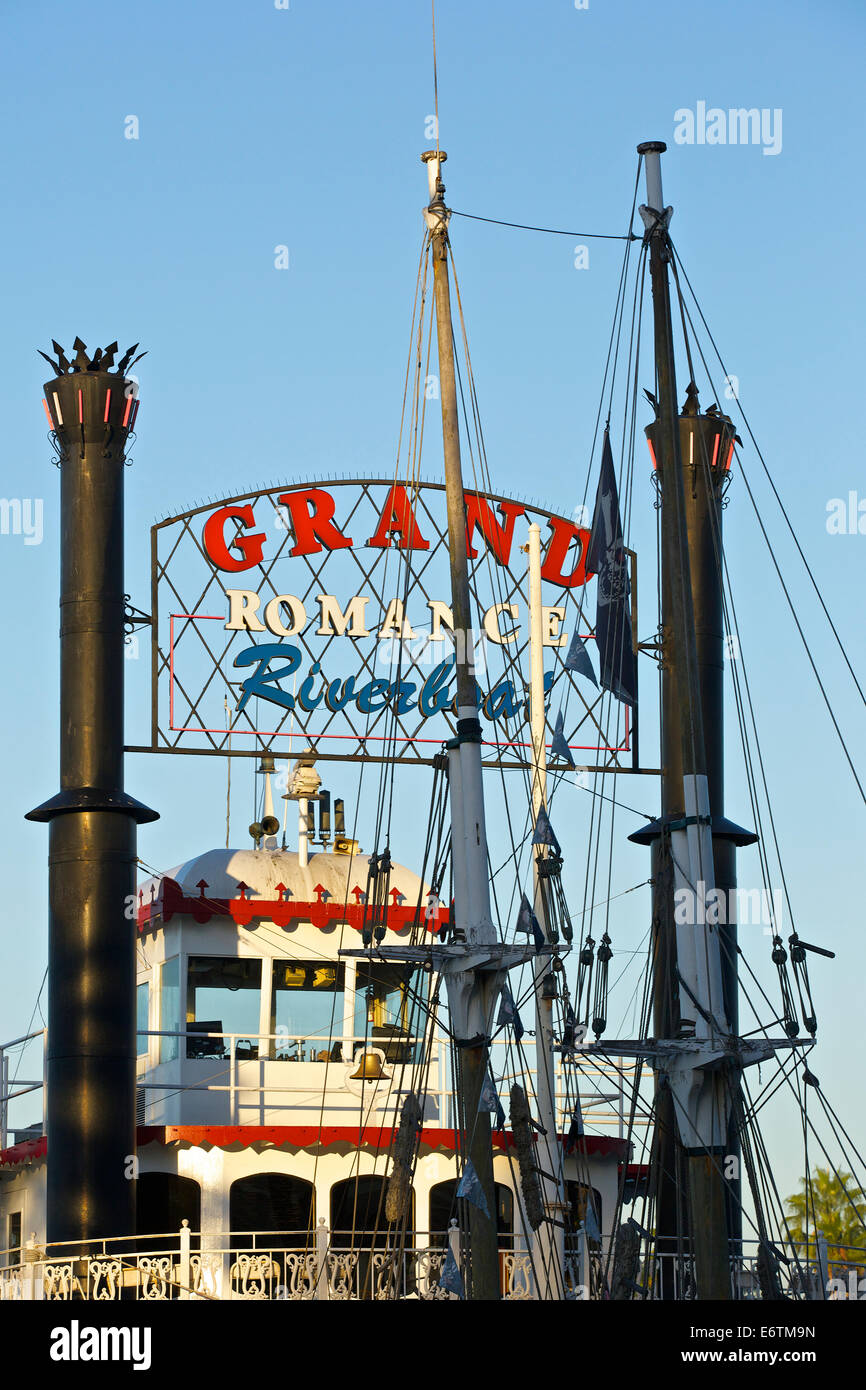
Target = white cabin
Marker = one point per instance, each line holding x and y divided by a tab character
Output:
271	1074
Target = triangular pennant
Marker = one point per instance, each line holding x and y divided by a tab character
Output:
558	746
590	1223
508	1014
544	832
528	922
452	1279
575	1129
470	1189
490	1102
606	557
577	659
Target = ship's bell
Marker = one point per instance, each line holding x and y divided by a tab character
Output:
369	1068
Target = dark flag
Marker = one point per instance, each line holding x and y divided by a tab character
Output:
577	659
489	1101
544	832
606	558
470	1189
559	747
508	1014
528	922
451	1280
576	1130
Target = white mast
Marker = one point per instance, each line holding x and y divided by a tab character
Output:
549	1239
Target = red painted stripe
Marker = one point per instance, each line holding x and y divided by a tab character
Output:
308	1136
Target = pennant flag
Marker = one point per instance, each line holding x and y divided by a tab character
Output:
452	1279
544	832
575	1130
606	557
558	746
577	659
590	1223
528	922
508	1014
471	1190
489	1101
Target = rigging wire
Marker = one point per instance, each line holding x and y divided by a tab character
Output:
552	231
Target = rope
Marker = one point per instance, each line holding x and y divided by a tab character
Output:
551	231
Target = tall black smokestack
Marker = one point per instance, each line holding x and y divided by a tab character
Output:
90	1103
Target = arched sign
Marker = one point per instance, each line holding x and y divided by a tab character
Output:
320	615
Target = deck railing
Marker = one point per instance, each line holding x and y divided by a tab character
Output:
342	1266
337	1266
602	1094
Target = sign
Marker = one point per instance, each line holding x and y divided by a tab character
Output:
320	615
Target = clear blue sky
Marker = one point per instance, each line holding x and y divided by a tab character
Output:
260	127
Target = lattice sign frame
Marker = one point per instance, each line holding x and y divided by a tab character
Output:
254	570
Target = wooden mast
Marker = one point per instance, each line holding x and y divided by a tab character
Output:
469	834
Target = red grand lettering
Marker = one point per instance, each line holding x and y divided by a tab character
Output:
564	532
398	518
312	510
214	541
480	513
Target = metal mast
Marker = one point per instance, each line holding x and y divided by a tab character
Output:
90	1103
694	1083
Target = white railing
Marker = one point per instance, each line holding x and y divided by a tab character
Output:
13	1087
806	1272
345	1267
603	1101
320	1265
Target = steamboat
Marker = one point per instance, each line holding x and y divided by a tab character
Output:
303	1070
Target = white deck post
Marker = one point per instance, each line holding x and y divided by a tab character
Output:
323	1286
183	1264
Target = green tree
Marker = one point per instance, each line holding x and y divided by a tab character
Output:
837	1207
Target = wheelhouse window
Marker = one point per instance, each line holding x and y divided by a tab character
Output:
169	1009
384	1015
142	1006
307	1010
223	996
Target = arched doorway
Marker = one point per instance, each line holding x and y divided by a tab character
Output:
583	1247
277	1208
162	1202
443	1208
358	1223
269	1213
